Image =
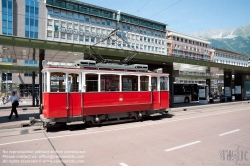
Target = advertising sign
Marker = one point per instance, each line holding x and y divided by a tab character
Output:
228	91
237	90
247	89
202	93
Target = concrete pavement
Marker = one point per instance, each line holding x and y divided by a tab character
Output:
217	135
26	110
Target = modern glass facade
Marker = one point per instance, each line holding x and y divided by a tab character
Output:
106	13
7	17
31	18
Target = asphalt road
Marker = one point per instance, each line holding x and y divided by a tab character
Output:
218	135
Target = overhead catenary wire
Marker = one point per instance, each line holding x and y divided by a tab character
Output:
166	8
143	6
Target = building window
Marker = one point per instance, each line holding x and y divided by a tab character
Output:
9	76
86	39
81	18
92	39
81	27
81	38
63	24
87	19
7	17
75	16
50	11
76	27
69	25
8	60
63	35
63	14
30	63
108	23
49	22
49	33
69	36
69	15
56	34
75	37
29	75
31	18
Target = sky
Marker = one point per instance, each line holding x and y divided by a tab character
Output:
186	16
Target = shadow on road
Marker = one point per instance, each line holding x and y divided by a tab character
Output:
62	126
160	117
21	117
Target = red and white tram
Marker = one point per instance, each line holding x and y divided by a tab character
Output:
102	93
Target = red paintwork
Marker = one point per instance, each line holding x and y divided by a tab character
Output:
102	103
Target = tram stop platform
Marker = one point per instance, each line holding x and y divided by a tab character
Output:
26	110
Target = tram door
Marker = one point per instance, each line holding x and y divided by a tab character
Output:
155	94
164	92
73	96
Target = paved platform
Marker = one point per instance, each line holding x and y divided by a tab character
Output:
26	110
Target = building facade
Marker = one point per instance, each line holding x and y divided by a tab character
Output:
188	47
229	57
78	22
73	22
185	46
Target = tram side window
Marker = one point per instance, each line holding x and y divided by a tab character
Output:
129	83
57	83
164	83
73	82
109	83
154	83
144	83
91	82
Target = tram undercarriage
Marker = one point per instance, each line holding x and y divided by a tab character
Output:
99	119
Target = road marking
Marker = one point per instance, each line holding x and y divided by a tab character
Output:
123	164
229	132
182	146
117	129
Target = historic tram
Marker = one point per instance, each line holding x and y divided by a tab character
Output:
100	93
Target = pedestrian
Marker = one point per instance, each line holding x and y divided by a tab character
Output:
15	102
3	98
37	100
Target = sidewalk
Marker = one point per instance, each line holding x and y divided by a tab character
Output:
25	110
